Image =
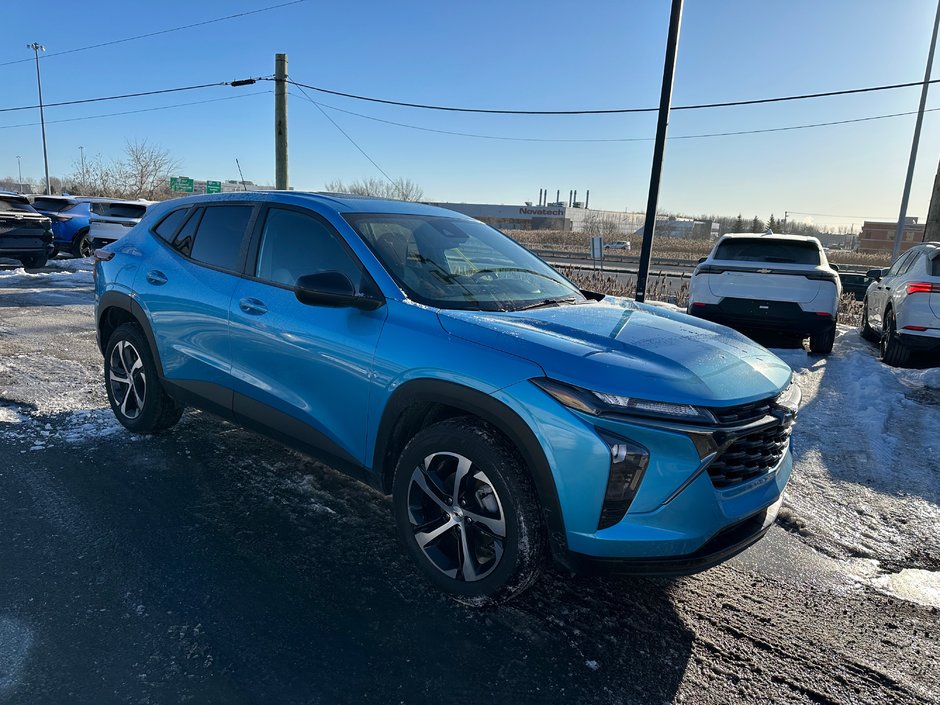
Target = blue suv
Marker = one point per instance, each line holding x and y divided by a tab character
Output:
510	416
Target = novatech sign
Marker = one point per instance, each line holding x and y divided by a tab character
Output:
541	211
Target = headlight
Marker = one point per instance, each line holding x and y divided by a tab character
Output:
597	403
790	398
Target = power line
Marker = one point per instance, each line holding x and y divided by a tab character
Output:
142	110
608	111
160	32
121	97
346	135
616	139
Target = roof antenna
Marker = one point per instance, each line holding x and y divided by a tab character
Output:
240	174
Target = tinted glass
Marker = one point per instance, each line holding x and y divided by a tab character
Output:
768	250
51	205
169	225
184	239
15	204
219	236
118	210
455	263
935	267
911	262
898	263
294	244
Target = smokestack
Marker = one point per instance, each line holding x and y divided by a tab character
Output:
540	196
587	198
575	200
557	195
570	197
545	197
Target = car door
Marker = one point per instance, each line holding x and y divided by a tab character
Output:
186	287
303	370
878	299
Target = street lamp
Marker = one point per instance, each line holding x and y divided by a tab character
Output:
37	47
19	170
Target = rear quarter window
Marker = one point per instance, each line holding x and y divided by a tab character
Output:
935	266
170	224
766	250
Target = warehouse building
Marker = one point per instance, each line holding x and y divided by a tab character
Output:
552	216
878	236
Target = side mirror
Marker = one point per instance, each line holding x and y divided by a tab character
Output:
875	274
834	266
702	259
333	289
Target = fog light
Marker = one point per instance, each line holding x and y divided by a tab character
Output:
628	462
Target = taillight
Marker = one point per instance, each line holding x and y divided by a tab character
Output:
824	313
923	288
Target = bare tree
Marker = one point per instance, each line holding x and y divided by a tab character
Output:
146	170
401	189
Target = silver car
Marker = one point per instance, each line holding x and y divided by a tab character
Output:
902	305
112	220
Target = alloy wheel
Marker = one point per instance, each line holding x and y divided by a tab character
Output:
84	247
456	516
127	379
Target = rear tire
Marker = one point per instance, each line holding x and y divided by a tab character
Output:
467	512
34	262
821	343
893	351
866	331
81	247
137	398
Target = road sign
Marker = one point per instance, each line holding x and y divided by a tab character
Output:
213	187
597	247
181	184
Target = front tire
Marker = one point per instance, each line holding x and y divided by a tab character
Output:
893	351
137	398
467	512
865	330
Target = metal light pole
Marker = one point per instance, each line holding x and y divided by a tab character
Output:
81	152
659	148
36	47
902	216
19	170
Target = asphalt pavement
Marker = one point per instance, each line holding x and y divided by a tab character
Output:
211	565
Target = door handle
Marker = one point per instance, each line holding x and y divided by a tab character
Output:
156	277
253	306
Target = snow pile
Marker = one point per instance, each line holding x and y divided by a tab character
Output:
866	479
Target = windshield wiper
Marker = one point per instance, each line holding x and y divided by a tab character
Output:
548	302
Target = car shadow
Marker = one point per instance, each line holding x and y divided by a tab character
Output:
288	577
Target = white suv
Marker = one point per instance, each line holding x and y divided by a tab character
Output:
769	282
902	305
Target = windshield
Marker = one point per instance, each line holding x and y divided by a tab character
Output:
768	250
464	264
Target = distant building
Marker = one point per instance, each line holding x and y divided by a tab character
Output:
878	236
553	216
687	228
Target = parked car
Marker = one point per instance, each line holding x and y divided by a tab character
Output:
902	305
618	245
770	282
25	234
855	283
509	415
69	216
112	220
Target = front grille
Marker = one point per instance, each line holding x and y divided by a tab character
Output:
743	413
751	456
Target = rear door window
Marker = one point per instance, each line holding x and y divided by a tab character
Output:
219	236
768	250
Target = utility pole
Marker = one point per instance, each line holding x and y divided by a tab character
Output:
902	216
280	121
37	47
932	229
659	148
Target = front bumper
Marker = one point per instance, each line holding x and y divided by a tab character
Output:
781	316
726	544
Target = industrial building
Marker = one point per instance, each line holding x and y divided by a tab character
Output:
878	236
572	215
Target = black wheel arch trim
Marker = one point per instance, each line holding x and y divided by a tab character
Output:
125	302
488	409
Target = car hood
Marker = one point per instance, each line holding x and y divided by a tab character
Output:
620	347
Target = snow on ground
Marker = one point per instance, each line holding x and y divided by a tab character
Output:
58	272
866	480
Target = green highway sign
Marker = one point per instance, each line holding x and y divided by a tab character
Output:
213	187
182	184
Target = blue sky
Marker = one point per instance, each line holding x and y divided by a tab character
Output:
536	55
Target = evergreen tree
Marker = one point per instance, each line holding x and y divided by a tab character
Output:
772	223
738	224
757	225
